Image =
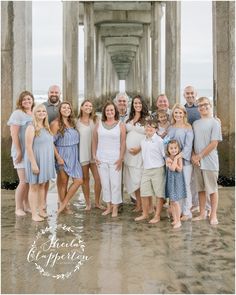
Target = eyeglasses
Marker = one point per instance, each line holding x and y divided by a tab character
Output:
203	105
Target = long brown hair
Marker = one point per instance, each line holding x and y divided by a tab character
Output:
93	116
20	99
71	118
144	112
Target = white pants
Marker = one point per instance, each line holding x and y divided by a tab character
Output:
187	202
111	183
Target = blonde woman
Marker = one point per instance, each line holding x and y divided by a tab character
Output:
85	124
18	123
39	160
181	131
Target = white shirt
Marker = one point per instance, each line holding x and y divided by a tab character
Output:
153	152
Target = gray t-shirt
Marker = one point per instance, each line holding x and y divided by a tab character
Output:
52	110
206	130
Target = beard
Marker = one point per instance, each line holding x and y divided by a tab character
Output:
54	99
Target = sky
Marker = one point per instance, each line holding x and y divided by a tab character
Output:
196	46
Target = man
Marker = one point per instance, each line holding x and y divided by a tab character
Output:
52	106
207	134
53	102
162	103
121	102
190	95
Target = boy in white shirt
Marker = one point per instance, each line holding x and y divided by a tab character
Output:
153	178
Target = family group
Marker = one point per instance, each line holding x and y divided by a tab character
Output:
170	154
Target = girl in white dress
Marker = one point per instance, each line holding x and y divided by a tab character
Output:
85	124
133	163
108	152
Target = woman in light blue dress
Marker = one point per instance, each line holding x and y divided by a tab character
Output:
18	123
66	140
39	160
181	131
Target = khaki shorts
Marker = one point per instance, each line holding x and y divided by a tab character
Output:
206	180
153	182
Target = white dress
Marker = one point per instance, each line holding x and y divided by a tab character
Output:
133	164
85	146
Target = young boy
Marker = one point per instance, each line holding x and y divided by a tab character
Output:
153	178
207	134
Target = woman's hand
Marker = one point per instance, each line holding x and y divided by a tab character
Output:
118	164
97	161
35	169
60	161
18	157
134	151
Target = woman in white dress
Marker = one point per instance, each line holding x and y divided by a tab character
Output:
133	163
108	152
85	124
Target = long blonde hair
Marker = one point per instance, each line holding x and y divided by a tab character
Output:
183	109
45	120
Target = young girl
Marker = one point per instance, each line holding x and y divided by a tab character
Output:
163	123
175	184
39	160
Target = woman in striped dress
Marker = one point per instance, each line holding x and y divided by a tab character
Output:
66	139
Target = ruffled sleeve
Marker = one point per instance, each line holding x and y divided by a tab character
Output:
19	118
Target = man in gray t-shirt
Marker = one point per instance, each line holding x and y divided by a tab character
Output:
53	102
207	134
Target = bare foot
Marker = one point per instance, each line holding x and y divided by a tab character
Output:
194	209
214	221
173	222
185	218
155	220
177	225
28	210
68	210
20	212
106	212
142	217
88	207
43	214
61	208
199	217
37	218
114	211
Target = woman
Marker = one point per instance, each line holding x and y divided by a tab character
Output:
108	152
133	164
86	123
18	123
66	139
181	131
39	160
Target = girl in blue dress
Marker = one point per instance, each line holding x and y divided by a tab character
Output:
39	160
175	184
66	140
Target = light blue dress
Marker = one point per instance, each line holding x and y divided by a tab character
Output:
68	148
19	118
175	185
44	155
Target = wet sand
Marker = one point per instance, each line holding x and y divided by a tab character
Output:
124	256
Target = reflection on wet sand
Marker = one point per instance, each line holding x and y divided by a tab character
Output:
125	256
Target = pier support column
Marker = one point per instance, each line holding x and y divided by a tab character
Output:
70	52
173	53
156	50
89	34
16	69
224	80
